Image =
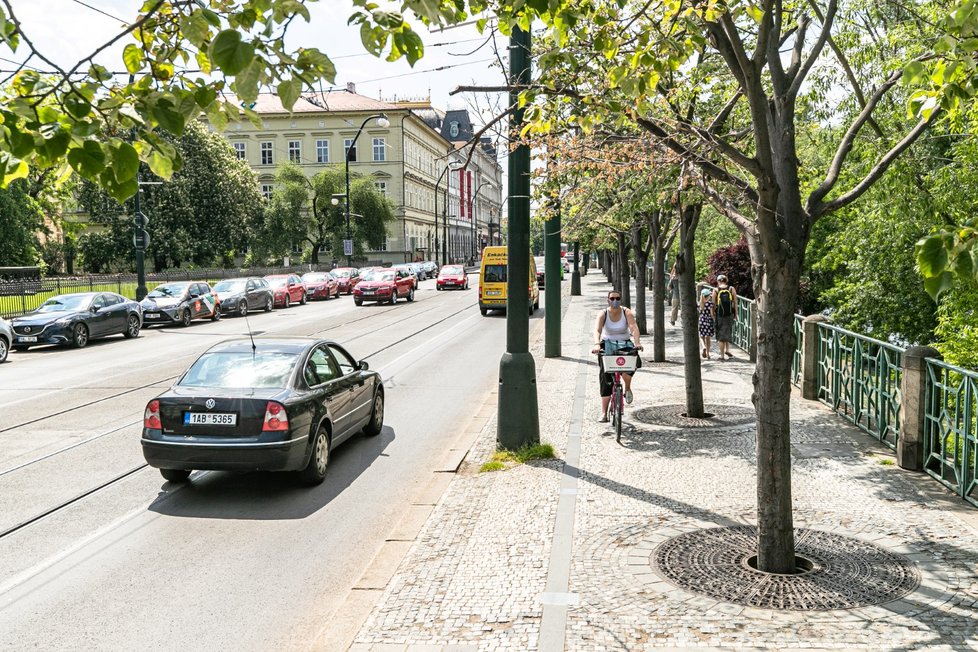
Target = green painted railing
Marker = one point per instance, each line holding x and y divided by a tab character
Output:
859	378
796	355
743	328
950	431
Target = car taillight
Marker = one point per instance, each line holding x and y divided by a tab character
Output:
151	417
275	417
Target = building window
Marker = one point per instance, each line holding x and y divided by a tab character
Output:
266	191
382	187
322	151
380	150
240	151
266	153
295	151
351	153
383	247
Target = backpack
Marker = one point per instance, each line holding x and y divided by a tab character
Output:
724	302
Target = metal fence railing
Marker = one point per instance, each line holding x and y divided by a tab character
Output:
796	354
950	430
859	378
18	297
743	328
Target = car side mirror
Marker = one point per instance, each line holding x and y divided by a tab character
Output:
364	366
96	308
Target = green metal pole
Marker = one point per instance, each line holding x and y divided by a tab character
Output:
551	266
576	274
518	422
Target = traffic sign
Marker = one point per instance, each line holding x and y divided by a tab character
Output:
141	220
348	247
141	239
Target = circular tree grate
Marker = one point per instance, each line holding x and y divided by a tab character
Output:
722	416
836	572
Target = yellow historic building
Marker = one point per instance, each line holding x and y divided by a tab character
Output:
404	158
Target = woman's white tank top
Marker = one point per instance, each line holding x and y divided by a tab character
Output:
615	330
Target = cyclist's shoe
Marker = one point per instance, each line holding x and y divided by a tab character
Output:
628	396
602	418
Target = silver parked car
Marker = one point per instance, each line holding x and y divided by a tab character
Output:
6	337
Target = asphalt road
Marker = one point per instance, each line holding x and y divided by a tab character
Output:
125	560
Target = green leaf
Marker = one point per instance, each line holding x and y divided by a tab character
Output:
160	165
195	28
204	96
289	92
937	285
168	117
123	160
21	142
120	190
931	256
246	83
133	57
230	53
87	160
964	264
77	106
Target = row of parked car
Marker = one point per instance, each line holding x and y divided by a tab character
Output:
75	319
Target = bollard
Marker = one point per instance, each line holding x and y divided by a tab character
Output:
913	407
809	356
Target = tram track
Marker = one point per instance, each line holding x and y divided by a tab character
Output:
119	478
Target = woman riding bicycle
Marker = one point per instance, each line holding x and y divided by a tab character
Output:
611	332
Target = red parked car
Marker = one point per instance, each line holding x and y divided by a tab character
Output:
287	289
320	285
452	276
347	277
384	285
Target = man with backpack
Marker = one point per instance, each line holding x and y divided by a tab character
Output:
725	308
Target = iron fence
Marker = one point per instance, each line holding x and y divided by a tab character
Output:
796	354
21	296
859	378
950	430
743	328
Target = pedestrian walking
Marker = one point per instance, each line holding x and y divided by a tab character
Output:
674	295
706	321
725	312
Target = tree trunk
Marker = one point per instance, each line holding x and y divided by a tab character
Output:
314	255
623	280
609	266
776	279
641	260
658	298
686	270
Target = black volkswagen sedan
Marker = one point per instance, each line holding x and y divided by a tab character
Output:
278	404
180	303
237	296
77	318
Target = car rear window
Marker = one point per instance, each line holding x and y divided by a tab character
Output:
237	369
452	271
230	286
495	274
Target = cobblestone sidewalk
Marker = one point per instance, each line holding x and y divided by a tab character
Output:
482	573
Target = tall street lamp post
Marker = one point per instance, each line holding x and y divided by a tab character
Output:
475	200
383	123
444	217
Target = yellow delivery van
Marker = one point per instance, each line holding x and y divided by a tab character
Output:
492	281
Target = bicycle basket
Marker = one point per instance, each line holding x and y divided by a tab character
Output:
621	363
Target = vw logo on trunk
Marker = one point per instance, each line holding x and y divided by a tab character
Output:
210	404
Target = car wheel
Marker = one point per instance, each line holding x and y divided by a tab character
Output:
466	286
243	308
302	301
438	287
359	302
531	309
410	296
4	349
315	471
132	327
393	296
287	302
175	475
484	311
269	304
376	423
185	317
21	347
217	313
79	336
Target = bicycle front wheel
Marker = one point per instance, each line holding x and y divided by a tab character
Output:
616	412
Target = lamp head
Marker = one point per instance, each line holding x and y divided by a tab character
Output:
382	121
334	201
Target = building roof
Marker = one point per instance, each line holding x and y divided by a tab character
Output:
331	101
457	126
